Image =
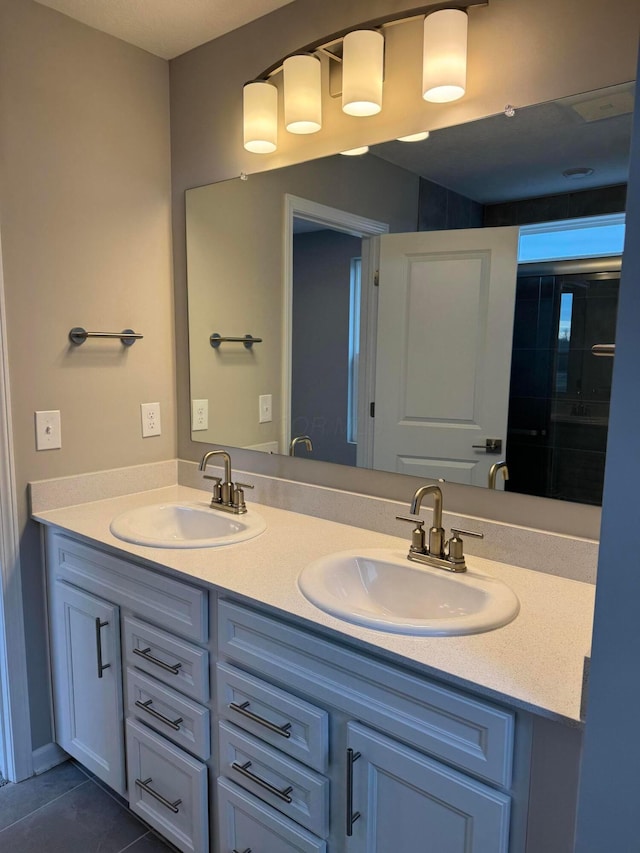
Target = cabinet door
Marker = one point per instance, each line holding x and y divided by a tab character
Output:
87	682
399	800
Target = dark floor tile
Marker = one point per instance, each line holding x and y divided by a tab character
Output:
18	801
85	819
150	844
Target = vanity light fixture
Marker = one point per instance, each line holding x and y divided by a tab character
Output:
355	152
260	117
362	72
356	59
414	137
444	60
302	93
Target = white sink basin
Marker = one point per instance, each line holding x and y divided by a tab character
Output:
382	589
185	525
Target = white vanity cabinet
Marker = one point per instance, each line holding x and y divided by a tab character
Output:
401	760
130	672
267	736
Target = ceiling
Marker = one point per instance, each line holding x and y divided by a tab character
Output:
499	159
165	28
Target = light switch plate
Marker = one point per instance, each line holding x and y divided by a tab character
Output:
151	424
199	415
48	431
265	404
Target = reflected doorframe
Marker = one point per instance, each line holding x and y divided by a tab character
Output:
356	226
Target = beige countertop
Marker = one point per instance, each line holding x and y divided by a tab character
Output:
535	662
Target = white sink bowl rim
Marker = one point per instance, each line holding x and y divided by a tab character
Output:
185	525
382	589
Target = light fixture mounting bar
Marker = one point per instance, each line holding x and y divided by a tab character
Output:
324	45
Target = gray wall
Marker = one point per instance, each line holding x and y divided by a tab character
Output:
320	346
85	191
521	53
610	793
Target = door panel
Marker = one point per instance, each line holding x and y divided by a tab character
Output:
85	639
445	327
409	802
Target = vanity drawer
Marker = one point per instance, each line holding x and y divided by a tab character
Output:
247	824
177	808
173	661
175	605
465	732
292	789
175	717
286	722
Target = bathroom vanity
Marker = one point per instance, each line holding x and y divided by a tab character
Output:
233	715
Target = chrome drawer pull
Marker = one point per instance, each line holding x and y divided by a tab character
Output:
242	709
146	706
144	784
101	666
248	850
351	816
243	769
144	653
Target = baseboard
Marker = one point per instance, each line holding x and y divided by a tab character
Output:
48	756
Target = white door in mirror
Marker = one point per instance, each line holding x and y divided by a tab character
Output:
188	525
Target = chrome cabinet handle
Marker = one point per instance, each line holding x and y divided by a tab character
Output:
352	816
144	784
248	850
144	653
242	709
146	706
101	666
243	769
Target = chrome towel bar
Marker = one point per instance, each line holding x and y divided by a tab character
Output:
128	337
248	340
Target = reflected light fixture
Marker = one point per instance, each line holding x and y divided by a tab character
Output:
260	117
355	152
444	58
362	72
414	137
302	94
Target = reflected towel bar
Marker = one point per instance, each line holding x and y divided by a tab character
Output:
128	337
248	340
604	349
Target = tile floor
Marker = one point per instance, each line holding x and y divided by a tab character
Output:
64	811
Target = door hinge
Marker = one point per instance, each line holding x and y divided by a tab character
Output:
376	278
372	410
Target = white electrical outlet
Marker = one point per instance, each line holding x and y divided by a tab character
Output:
151	424
199	414
265	405
48	431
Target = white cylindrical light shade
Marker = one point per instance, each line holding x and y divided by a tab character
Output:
260	117
302	94
444	60
415	137
356	152
362	72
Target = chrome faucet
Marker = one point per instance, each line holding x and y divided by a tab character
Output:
443	555
493	472
300	439
227	495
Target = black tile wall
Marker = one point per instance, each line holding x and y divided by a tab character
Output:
596	202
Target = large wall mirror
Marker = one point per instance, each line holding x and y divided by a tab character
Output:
378	311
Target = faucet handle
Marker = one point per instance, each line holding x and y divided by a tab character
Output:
211	477
417	534
244	486
456	546
467	533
